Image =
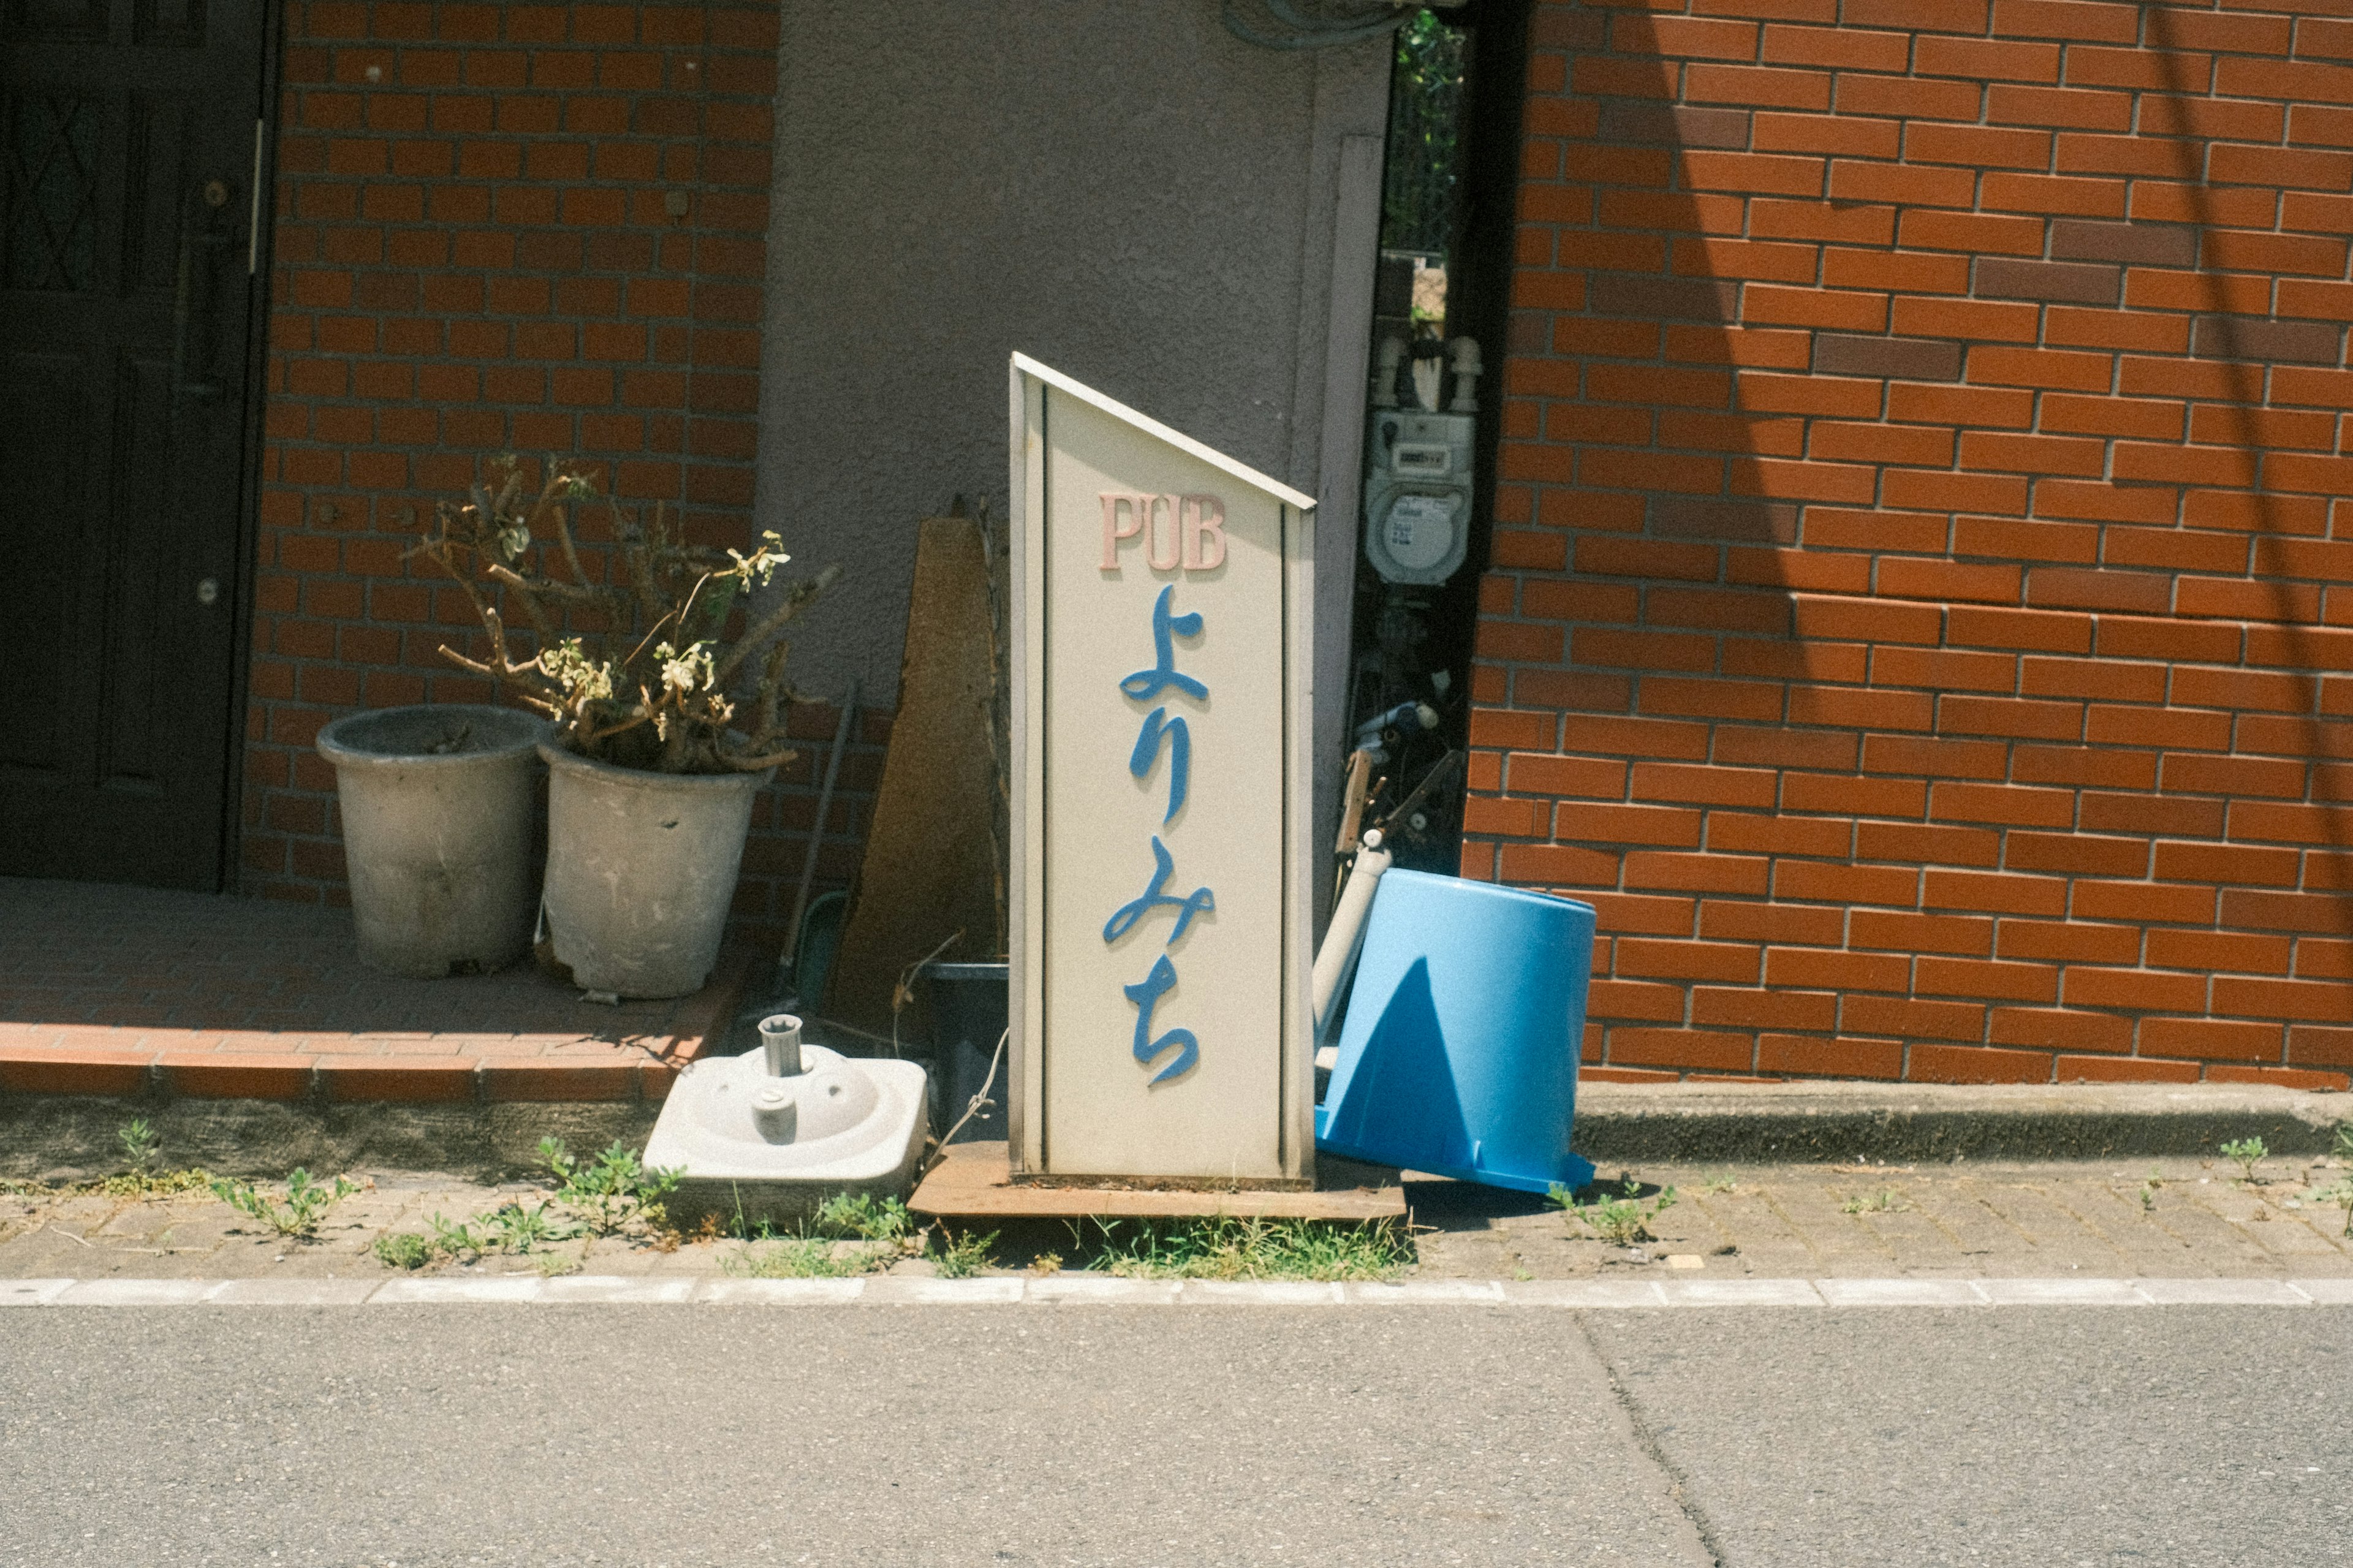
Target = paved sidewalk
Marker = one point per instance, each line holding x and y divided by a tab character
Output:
2164	1219
2167	1218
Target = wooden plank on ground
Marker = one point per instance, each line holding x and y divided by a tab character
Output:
974	1182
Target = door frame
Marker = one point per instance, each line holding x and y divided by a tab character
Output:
229	868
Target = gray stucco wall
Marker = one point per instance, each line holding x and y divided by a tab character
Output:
1117	187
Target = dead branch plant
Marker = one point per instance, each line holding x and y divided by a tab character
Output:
651	688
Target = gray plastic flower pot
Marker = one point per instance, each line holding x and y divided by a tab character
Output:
437	809
641	871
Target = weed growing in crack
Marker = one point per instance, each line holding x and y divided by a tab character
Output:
613	1189
1884	1201
405	1249
139	1144
861	1217
298	1215
140	1179
515	1227
960	1257
458	1238
2248	1152
2339	1191
612	1193
851	1233
1621	1221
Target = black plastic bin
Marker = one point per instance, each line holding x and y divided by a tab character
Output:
969	1003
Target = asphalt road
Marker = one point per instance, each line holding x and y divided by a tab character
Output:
2060	1438
446	1435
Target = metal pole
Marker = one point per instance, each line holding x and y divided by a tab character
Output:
816	829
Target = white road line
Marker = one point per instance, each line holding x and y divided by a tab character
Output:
1080	1290
403	1292
293	1293
2222	1292
780	1292
1087	1291
2064	1292
1900	1292
137	1292
1427	1293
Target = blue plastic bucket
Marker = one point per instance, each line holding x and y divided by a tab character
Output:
1459	1055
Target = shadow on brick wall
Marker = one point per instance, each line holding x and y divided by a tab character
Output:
1907	620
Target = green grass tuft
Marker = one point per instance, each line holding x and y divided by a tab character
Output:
1224	1247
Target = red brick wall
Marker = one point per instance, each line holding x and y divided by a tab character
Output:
1920	610
475	251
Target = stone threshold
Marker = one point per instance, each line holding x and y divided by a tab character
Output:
164	1065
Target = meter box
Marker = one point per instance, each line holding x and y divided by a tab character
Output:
1417	494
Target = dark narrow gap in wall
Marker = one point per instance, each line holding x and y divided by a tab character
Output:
1448	220
246	568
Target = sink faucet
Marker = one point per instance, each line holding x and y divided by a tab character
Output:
780	1042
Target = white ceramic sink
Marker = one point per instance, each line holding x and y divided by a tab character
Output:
777	1143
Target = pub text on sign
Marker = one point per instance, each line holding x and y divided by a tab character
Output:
1194	530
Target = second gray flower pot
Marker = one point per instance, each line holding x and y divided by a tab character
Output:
641	871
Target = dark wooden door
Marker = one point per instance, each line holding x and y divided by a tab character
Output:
128	248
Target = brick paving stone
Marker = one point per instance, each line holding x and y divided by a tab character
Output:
1764	1240
2286	1236
2052	1232
2183	1212
1839	1244
1989	1213
2147	1247
1906	1231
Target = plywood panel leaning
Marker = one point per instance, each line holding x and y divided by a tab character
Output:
931	866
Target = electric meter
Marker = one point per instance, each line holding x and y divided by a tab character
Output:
1417	494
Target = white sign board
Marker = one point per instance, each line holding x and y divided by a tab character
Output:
1163	640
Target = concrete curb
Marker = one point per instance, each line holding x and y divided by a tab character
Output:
1799	1124
1580	1295
1618	1125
